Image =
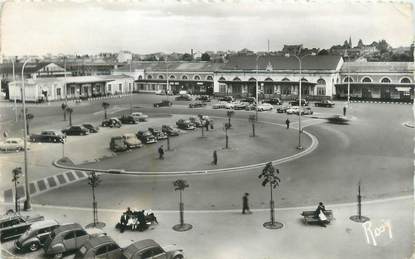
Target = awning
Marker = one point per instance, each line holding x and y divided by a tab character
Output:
403	88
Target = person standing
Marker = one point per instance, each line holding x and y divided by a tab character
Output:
344	111
245	204
215	157
287	122
161	153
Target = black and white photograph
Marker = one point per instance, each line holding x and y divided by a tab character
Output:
224	129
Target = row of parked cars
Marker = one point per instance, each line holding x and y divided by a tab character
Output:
57	240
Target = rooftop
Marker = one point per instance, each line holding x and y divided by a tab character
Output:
386	67
173	66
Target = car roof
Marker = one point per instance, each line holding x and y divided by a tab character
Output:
71	226
44	224
98	240
7	218
14	139
140	245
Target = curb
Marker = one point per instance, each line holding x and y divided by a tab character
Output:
381	102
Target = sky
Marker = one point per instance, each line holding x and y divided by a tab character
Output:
144	26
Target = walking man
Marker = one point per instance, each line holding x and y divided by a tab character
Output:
287	121
161	153
245	204
215	158
344	111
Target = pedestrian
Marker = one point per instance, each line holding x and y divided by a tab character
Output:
287	121
5	134
207	125
161	153
344	111
245	204
215	158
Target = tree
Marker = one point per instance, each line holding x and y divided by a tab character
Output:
69	110
94	181
360	44
383	46
105	105
180	185
323	52
187	57
205	57
269	176
63	107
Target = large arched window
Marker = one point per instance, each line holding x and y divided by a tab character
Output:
285	79
210	78
348	79
251	79
268	79
161	77
366	79
149	77
196	77
236	79
172	77
304	80
140	77
405	80
321	81
385	80
184	77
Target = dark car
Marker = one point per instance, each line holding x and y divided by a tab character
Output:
76	130
169	130
157	133
148	248
195	121
240	105
203	98
324	103
112	122
128	119
99	247
196	104
117	144
338	119
273	101
90	127
14	226
304	102
36	236
248	100
146	137
226	99
185	124
53	136
184	97
164	103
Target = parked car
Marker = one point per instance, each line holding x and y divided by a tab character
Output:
293	110
265	107
140	116
160	92
128	119
91	128
304	102
35	237
219	105
324	103
13	144
338	119
111	123
146	137
157	133
68	238
196	104
148	248
14	226
273	101
203	98
226	99
131	140
99	247
117	144
282	109
195	121
53	136
240	105
248	100
169	130
250	107
184	97
163	103
306	111
185	124
76	130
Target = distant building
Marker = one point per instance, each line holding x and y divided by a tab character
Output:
124	57
292	49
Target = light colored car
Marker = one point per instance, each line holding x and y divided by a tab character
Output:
131	140
148	248
35	237
293	110
219	105
139	116
265	107
160	92
13	144
229	105
99	247
306	111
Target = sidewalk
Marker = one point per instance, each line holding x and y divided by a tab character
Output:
229	234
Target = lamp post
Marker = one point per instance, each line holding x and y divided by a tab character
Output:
300	147
14	80
256	89
27	204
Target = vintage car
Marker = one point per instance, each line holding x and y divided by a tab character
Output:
293	110
226	99
304	102
185	124
111	123
240	105
146	137
306	111
13	144
148	248
164	103
338	119
197	122
91	128
14	226
140	116
76	130
311	218
99	247
282	108
158	133
248	100
324	103
197	104
184	97
273	101
265	107
203	98
219	105
128	119
53	136
169	130
117	144
68	238
35	237
131	140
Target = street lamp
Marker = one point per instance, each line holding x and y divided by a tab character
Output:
256	89
27	205
14	80
300	147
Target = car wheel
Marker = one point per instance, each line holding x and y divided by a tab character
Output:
178	257
58	256
33	247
